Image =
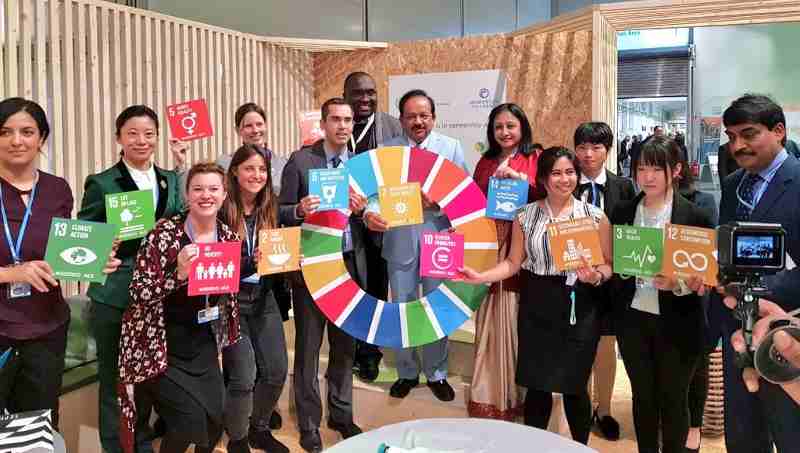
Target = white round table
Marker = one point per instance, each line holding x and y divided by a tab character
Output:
461	435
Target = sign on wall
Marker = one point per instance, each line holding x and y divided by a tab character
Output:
463	102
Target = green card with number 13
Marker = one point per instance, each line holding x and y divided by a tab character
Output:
78	250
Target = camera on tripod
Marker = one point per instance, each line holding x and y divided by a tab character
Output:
748	252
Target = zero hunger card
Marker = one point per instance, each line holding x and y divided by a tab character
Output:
216	269
441	254
572	240
401	204
78	250
280	250
332	186
133	212
189	120
638	251
691	251
505	196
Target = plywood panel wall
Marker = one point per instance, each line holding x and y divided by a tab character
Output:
549	74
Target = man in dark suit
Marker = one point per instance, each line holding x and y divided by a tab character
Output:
606	190
371	129
726	164
765	189
310	322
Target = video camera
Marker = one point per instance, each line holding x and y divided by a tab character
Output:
748	252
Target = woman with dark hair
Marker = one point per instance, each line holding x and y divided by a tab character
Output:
257	364
660	319
32	309
137	132
493	393
555	307
170	341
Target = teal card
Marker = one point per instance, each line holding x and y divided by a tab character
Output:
133	212
78	250
638	250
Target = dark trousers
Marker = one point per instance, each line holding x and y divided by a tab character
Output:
33	382
106	324
578	408
378	286
255	368
660	373
698	392
310	324
754	421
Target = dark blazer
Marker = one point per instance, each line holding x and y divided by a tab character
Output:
779	204
294	187
684	313
93	208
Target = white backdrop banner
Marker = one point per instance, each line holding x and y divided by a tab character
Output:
463	102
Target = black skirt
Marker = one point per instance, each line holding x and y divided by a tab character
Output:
555	356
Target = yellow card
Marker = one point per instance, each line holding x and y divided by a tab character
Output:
401	204
280	250
691	251
571	240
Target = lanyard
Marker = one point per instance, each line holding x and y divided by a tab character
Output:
190	233
250	242
364	131
572	277
15	249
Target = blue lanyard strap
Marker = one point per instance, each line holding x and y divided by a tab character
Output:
250	241
15	249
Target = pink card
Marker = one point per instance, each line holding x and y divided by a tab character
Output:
441	254
189	120
216	270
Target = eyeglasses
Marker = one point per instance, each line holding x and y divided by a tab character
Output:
422	117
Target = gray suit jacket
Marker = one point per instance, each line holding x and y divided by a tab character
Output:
294	187
386	127
401	244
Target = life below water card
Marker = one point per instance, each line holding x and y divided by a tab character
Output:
78	250
505	197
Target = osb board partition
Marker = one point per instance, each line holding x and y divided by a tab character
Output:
549	74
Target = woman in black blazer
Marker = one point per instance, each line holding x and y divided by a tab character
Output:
660	320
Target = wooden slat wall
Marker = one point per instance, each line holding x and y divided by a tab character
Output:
604	77
86	60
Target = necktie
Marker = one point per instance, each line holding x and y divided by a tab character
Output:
336	161
594	191
746	194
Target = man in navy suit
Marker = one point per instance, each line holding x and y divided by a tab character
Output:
765	189
401	247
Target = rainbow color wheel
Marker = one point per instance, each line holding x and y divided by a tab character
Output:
417	322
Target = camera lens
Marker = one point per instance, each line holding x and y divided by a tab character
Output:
768	361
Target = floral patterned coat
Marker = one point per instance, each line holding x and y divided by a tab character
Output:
143	342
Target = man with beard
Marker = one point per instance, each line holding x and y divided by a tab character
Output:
370	130
765	189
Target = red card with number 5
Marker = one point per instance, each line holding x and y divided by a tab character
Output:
189	120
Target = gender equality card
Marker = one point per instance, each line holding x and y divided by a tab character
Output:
572	241
638	251
78	250
216	269
189	120
133	212
441	254
691	251
505	197
280	250
332	186
401	204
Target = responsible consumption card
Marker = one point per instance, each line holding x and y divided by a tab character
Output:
78	250
133	212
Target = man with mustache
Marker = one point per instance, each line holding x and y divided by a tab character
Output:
765	189
370	130
401	247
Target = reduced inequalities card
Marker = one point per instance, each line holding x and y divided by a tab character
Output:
332	186
505	197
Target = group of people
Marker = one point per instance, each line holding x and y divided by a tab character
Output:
540	331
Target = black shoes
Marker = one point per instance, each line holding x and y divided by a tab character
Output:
368	368
609	428
402	387
239	446
346	430
263	440
275	420
442	390
310	441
